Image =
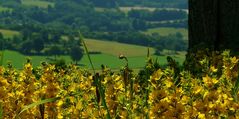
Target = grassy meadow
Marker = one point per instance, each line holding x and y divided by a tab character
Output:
38	3
18	60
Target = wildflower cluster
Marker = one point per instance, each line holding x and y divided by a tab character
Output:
153	93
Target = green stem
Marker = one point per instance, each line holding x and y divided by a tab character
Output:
2	55
87	52
102	95
1	111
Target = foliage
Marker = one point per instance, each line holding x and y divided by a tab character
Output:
76	53
155	3
49	20
157	93
157	15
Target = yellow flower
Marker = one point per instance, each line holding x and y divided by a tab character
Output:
234	60
211	105
168	83
119	86
214	80
118	78
201	116
72	88
3	82
205	94
232	109
10	95
213	69
19	93
185	100
206	79
79	105
60	102
59	116
197	89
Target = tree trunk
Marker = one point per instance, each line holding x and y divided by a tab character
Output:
213	24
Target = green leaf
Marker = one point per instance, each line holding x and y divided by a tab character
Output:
38	103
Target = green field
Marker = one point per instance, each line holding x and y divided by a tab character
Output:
166	31
111	61
38	3
2	9
8	33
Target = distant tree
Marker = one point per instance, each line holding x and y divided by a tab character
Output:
55	37
15	41
1	41
45	35
105	3
76	53
55	50
26	33
139	24
26	47
38	44
159	49
1	35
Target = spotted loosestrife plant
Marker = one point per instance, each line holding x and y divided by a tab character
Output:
52	92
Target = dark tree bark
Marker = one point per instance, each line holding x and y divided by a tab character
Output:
214	24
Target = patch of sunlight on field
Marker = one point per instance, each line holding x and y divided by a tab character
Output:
164	31
2	9
9	33
115	48
127	9
38	3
